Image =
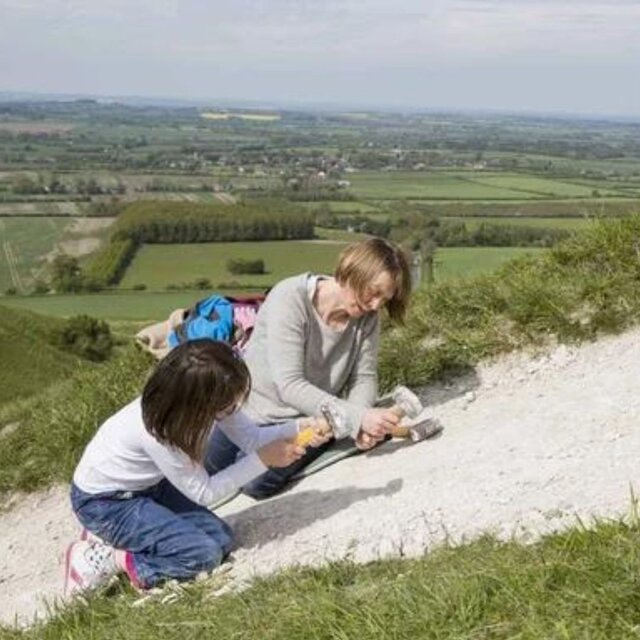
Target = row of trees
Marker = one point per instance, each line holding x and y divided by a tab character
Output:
357	222
445	233
108	266
186	222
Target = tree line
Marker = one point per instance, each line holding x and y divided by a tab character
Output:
443	232
184	222
162	222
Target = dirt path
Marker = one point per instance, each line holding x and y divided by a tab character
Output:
530	444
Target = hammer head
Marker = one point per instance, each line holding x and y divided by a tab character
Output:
407	401
335	418
424	428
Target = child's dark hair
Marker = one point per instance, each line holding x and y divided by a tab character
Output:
190	386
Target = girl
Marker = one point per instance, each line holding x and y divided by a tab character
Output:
140	489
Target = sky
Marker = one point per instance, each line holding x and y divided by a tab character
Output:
577	56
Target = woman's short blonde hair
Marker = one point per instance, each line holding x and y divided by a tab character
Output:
359	264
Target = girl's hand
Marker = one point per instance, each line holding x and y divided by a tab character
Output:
313	432
280	453
377	423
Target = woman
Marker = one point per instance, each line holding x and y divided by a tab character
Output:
316	341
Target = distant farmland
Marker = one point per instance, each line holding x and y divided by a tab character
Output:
24	243
467	185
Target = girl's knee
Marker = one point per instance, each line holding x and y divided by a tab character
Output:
226	537
211	554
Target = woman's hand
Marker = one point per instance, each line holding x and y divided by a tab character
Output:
376	424
280	453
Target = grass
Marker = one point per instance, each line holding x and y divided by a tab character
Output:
575	291
428	186
116	305
29	362
544	187
54	427
451	262
160	265
24	243
156	305
578	584
576	208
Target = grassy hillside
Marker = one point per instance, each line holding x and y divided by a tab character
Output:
54	427
29	362
579	584
580	288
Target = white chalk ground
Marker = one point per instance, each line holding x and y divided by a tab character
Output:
530	444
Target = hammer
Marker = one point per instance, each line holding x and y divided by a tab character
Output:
414	423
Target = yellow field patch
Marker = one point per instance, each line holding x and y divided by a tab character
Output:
265	117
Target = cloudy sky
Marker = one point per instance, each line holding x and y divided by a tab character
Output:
579	56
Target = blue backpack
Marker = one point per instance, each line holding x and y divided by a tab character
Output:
213	318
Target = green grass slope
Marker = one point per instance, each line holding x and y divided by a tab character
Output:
579	584
29	362
587	285
52	429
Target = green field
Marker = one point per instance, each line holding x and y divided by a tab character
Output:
574	208
160	265
466	185
467	261
539	186
117	305
569	224
24	242
346	206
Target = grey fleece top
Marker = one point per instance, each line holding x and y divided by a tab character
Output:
298	362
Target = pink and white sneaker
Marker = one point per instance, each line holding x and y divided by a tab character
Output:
88	565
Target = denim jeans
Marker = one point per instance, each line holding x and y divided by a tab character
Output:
165	534
221	453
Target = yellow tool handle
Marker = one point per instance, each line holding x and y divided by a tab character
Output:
305	436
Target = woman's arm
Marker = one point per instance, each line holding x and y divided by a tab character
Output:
363	381
286	343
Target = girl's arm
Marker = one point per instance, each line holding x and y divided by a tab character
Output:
244	433
192	479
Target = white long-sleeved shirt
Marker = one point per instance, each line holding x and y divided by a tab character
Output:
124	456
